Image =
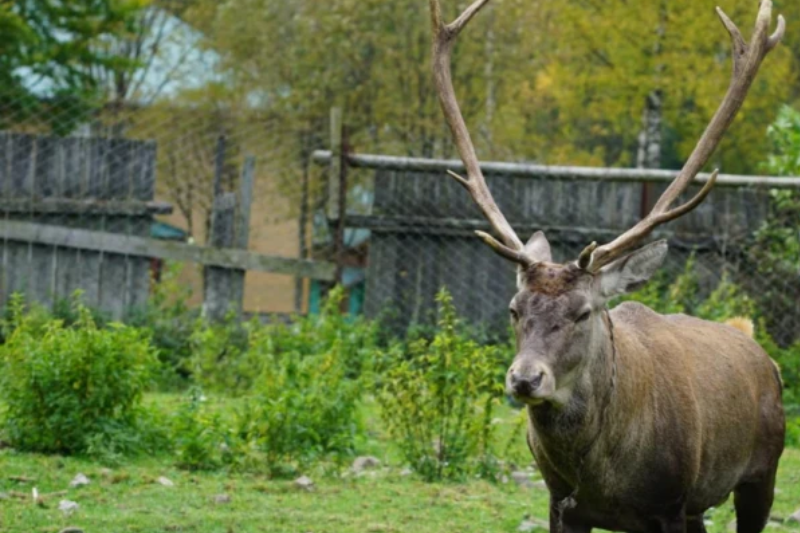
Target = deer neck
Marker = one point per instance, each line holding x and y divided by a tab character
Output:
565	431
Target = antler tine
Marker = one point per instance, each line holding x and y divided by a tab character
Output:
747	59
444	35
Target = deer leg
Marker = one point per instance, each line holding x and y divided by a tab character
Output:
673	522
695	524
753	501
567	521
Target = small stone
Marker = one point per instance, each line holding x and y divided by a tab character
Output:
406	472
304	482
794	518
522	479
529	524
165	481
504	479
366	462
540	485
79	481
106	472
67	507
71	530
221	499
5	496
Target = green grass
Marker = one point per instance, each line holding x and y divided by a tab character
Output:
128	498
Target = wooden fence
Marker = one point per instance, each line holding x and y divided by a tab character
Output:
422	226
75	213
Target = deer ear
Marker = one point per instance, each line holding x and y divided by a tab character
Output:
537	248
631	272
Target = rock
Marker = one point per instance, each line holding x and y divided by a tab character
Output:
529	524
794	518
304	482
221	499
79	481
165	481
406	472
71	530
67	507
523	479
366	462
540	484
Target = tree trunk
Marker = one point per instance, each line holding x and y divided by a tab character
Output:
649	152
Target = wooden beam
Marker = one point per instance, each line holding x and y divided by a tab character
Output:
467	227
525	170
63	206
139	246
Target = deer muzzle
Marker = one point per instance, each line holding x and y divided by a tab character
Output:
531	385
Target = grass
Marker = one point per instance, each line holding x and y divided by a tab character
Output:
128	498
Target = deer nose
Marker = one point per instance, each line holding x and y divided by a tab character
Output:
524	386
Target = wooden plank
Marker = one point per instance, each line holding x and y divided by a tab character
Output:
245	202
410	165
125	244
87	206
41	288
220	295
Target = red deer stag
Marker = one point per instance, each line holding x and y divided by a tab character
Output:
638	421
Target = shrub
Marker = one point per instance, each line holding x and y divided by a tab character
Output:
228	359
69	389
437	399
196	434
303	407
170	322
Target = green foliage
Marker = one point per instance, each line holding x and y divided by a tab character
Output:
784	136
51	52
170	323
302	409
683	295
229	357
438	398
73	389
195	434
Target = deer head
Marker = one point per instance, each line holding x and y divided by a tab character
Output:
558	311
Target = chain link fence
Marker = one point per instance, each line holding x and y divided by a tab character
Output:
179	143
727	258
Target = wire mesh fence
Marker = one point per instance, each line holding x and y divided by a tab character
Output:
185	146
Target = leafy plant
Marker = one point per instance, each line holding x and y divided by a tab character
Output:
67	389
170	322
303	407
229	357
437	399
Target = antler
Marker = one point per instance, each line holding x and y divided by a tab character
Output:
747	59
444	35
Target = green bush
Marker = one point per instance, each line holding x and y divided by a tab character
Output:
170	323
73	389
437	400
303	407
228	357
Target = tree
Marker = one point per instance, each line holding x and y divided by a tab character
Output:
47	52
611	59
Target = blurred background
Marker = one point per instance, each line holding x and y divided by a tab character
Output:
140	137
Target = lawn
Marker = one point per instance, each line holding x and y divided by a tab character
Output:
129	497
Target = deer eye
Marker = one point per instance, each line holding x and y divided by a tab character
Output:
583	317
514	314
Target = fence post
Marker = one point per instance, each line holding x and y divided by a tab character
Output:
230	228
337	188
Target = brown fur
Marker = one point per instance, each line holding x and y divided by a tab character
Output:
695	412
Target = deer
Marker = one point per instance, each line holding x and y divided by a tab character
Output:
637	421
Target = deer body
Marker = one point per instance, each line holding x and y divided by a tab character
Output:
681	430
639	422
